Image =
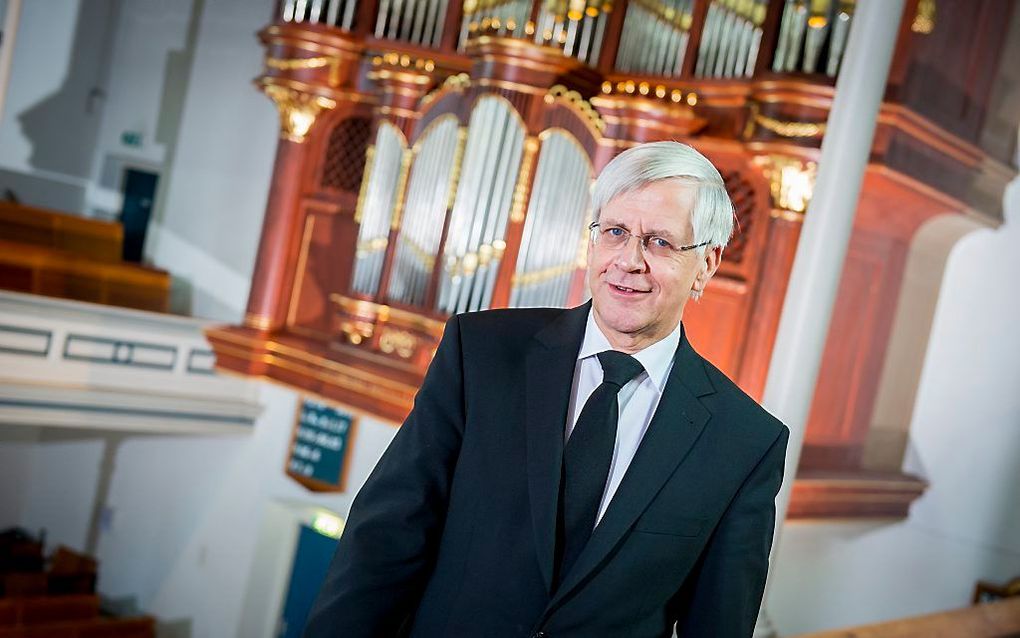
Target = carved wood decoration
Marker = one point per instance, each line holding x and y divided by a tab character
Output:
438	157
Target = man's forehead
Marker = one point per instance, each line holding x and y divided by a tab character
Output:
677	192
662	205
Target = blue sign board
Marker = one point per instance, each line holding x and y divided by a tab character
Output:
319	446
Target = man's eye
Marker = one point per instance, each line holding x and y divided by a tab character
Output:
615	231
659	242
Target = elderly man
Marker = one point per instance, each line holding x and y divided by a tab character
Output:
578	472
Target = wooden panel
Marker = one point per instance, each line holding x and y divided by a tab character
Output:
77	235
142	627
56	608
716	324
824	494
56	273
770	291
852	362
322	267
948	73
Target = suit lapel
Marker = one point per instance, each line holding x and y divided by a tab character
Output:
549	378
678	421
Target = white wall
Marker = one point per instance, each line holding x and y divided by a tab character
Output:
186	515
209	211
49	504
54	100
964	439
177	71
15	472
149	69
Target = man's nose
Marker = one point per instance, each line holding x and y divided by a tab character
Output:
631	256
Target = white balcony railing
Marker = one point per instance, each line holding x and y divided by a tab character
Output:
71	364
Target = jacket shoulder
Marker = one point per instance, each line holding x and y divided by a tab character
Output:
508	325
742	412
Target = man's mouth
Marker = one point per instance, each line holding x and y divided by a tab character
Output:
626	289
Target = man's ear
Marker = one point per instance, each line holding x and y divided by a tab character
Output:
709	264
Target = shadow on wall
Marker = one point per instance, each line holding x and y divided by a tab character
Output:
63	127
176	72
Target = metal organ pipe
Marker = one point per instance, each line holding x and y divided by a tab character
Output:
383	176
557	212
478	221
422	222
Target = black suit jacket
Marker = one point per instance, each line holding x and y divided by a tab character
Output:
454	532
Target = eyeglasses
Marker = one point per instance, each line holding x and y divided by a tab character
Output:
615	238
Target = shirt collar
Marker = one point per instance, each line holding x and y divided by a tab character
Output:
656	358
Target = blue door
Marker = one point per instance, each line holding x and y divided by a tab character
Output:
311	560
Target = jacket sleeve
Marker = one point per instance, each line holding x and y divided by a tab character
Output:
389	543
727	593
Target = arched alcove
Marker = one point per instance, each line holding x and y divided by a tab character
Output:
908	343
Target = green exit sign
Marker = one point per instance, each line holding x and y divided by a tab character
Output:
131	138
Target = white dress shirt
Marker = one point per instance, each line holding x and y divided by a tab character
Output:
637	399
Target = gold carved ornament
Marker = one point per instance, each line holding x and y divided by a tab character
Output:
404	61
469	263
924	20
297	110
520	196
560	93
398	205
400	342
357	331
300	64
359	209
645	89
791	182
790	129
457	82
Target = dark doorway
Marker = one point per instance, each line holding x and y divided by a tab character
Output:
311	561
139	193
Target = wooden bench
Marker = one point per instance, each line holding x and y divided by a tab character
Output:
36	610
57	273
50	253
143	627
49	583
99	240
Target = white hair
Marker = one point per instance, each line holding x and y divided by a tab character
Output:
712	216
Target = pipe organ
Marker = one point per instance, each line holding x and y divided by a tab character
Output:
552	249
437	157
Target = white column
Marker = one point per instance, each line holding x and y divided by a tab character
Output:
828	223
10	29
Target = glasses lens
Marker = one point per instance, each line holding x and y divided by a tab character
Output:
614	237
658	247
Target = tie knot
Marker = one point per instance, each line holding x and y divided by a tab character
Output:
618	368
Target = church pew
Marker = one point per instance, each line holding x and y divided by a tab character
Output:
93	238
57	273
144	627
36	610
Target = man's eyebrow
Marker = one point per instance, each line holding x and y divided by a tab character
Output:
667	235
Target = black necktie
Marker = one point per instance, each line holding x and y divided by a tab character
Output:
588	456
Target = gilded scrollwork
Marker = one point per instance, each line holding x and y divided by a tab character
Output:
789	129
560	93
791	182
399	342
298	110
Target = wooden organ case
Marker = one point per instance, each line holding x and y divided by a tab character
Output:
436	157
